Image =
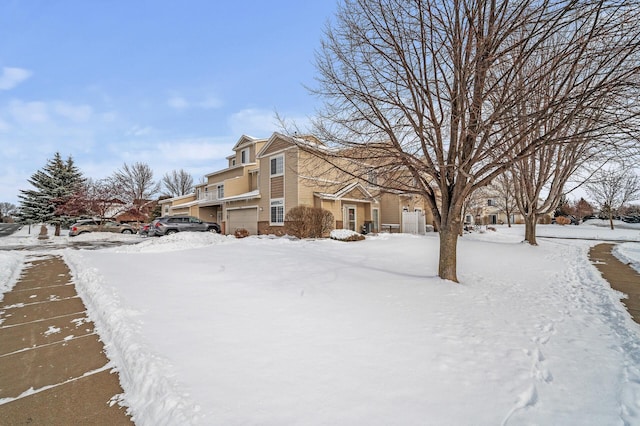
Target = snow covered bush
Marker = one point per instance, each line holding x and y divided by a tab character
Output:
346	235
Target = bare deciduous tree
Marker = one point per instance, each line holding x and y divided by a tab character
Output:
503	187
425	92
177	183
612	188
7	210
134	184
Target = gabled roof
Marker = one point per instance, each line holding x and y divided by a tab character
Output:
353	191
279	142
246	140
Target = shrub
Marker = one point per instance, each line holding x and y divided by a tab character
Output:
241	233
308	222
563	220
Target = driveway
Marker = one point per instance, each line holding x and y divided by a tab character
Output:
8	228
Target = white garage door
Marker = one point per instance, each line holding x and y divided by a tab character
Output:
243	218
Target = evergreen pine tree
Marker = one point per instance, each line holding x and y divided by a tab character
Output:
53	187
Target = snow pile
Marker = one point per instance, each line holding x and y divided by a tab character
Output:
148	379
11	264
344	235
175	242
594	229
628	253
275	331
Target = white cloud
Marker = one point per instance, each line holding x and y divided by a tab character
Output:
139	131
195	149
11	77
29	112
253	122
210	103
77	113
4	126
178	102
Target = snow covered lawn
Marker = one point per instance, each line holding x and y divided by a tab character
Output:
211	330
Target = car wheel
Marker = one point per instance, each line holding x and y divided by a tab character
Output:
213	230
127	231
170	232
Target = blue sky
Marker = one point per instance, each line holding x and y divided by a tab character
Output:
172	84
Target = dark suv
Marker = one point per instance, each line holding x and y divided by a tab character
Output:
171	224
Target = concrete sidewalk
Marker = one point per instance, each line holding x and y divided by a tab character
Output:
53	370
620	276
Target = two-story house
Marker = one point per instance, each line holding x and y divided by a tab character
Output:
265	178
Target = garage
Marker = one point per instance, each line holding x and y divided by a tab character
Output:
243	218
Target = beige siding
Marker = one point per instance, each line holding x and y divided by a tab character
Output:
277	187
291	180
223	175
277	145
390	209
264	183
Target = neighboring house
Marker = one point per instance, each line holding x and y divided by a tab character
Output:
265	178
487	207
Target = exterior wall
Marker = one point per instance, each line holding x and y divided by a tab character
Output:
221	176
390	210
238	185
285	186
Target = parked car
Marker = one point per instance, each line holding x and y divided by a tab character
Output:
171	224
144	230
631	219
569	218
97	225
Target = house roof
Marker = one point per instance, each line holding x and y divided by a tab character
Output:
349	192
245	196
291	141
246	140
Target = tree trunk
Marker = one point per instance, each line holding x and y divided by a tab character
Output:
530	221
448	249
57	232
611	219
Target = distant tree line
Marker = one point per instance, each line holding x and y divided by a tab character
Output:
60	193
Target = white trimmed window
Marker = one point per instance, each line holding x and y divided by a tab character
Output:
277	212
277	165
220	191
244	156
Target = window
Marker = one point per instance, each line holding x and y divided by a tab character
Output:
491	202
220	191
277	165
277	212
244	156
233	162
375	214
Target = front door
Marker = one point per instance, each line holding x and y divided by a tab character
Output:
350	218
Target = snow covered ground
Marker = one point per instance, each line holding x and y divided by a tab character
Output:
207	329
